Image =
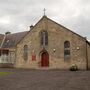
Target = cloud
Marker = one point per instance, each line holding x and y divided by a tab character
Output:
4	20
18	15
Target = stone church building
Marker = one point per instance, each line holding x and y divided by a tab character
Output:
47	45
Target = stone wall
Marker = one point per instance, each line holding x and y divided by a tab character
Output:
88	49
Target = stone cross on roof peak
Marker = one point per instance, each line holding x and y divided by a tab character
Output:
44	11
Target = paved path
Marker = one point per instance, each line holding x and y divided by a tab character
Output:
45	80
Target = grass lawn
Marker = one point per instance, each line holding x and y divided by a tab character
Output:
5	73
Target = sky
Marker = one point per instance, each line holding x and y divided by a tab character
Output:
18	15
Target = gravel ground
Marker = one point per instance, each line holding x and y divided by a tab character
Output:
26	79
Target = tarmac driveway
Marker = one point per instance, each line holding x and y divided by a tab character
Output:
22	79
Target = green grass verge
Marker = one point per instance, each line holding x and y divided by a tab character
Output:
5	73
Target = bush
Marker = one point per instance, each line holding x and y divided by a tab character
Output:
74	67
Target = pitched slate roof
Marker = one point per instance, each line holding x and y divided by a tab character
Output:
11	40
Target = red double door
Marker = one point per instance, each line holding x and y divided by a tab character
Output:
45	59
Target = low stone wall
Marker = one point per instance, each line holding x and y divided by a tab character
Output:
6	65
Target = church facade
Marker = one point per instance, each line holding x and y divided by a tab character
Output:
47	45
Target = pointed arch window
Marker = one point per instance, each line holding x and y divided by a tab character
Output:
25	52
44	38
66	50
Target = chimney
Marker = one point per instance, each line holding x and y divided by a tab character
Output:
31	26
6	33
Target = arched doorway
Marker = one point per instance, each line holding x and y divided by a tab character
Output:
44	59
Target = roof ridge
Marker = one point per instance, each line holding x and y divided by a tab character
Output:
17	33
